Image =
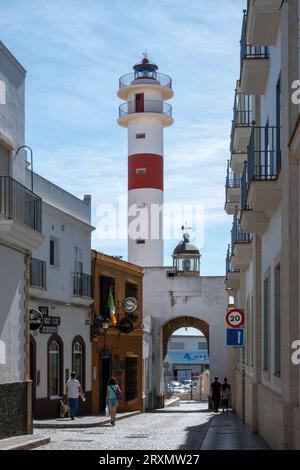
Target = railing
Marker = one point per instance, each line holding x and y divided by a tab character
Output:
38	273
233	180
237	233
264	153
242	110
130	79
244	188
229	267
82	285
148	106
20	204
247	50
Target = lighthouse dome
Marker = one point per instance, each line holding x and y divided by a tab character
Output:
186	247
145	69
186	258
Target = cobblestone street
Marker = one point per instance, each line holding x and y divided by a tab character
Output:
181	427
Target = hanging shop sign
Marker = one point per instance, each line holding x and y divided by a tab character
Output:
129	305
50	325
35	319
126	325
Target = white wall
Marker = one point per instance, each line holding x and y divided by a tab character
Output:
12	314
12	113
203	298
66	219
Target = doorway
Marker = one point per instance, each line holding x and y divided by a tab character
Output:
33	372
139	103
105	374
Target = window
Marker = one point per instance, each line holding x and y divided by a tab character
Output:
78	359
252	332
277	321
131	383
140	136
53	255
248	333
177	345
55	366
77	260
266	325
140	171
278	122
54	371
131	290
140	242
106	283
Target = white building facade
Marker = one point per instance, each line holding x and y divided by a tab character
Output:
263	196
61	289
20	234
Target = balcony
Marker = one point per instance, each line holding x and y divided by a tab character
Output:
242	121
20	215
82	285
134	82
38	273
263	21
241	243
260	187
232	280
154	108
232	190
254	65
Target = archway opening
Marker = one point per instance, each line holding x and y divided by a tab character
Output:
186	359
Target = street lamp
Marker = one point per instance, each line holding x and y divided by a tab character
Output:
31	161
100	322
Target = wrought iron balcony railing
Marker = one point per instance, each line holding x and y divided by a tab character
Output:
147	106
264	158
82	285
247	50
131	79
38	273
20	204
264	153
229	267
242	110
237	233
233	180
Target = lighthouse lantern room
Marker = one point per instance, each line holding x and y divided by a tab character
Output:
145	113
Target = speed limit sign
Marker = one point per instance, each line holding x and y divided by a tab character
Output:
235	318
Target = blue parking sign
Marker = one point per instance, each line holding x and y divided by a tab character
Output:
235	337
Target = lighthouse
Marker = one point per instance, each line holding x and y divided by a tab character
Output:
145	113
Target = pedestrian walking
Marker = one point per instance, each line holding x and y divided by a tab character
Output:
113	396
73	390
216	394
226	393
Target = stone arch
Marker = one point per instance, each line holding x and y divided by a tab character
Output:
180	322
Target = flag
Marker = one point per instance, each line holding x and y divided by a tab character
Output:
111	306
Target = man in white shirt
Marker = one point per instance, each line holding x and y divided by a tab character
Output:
74	389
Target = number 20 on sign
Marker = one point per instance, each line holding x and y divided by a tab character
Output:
235	318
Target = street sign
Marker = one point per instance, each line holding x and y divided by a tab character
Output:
235	318
235	337
35	319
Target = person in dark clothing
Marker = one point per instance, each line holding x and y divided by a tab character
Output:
226	392
216	393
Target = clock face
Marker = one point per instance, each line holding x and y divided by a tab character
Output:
129	304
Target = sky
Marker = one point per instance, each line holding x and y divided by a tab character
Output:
74	52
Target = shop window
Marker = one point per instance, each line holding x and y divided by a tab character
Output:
131	382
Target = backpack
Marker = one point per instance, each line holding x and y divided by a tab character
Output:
118	393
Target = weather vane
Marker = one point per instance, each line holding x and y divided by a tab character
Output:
185	227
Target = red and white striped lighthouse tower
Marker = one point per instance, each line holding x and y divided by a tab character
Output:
145	114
